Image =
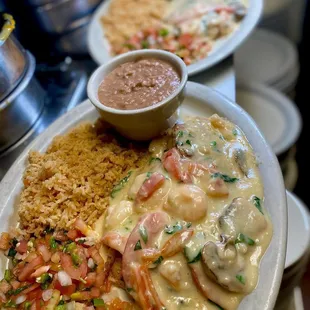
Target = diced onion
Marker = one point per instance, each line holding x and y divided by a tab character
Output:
70	305
21	256
91	263
64	279
20	299
46	295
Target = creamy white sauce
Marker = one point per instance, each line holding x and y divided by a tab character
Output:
217	187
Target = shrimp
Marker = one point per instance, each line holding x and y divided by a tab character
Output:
187	202
136	260
115	241
135	273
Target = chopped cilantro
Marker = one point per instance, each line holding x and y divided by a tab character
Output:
188	142
244	239
163	32
224	177
121	184
154	159
138	246
158	260
171	229
240	278
145	44
143	233
257	203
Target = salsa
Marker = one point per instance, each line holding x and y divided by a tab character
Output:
138	84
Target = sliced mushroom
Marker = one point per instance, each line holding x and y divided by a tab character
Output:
240	158
223	265
241	216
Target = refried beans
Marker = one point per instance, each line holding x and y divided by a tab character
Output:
138	84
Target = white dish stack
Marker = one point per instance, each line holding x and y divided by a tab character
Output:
269	61
297	255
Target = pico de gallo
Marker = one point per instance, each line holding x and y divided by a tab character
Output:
190	35
61	271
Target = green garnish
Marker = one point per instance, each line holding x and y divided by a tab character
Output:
138	246
188	142
215	304
213	143
235	132
14	242
153	159
62	302
158	260
195	259
163	32
145	44
224	177
244	239
81	241
180	134
180	143
17	291
257	203
240	278
188	225
121	184
148	174
61	307
98	302
12	252
130	46
27	305
70	247
171	229
9	304
129	289
53	243
143	233
8	275
45	279
76	259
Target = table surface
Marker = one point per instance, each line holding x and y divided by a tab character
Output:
220	77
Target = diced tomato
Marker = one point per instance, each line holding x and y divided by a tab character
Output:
153	183
172	163
81	226
34	294
73	271
223	8
65	290
186	39
95	255
95	292
30	268
73	234
5	241
90	279
44	251
22	247
15	284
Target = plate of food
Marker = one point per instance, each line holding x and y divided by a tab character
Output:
194	218
201	32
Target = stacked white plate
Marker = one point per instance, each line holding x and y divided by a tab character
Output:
297	255
279	120
268	58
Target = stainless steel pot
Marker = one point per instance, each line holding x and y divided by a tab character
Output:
55	18
13	59
74	42
20	110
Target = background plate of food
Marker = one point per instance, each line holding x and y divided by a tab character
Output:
68	176
201	32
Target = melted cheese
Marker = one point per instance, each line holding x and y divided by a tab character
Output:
211	180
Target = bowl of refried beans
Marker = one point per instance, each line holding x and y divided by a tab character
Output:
139	92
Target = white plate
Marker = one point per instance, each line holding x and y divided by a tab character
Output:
199	100
98	45
298	241
275	114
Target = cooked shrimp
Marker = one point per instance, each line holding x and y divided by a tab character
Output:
187	202
115	241
135	273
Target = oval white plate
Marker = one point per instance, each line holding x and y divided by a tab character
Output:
275	114
98	45
298	241
203	101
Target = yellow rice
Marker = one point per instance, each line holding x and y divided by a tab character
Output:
74	178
